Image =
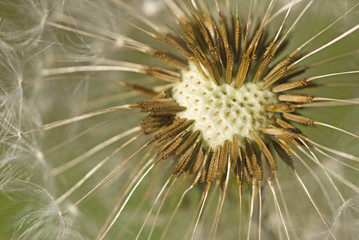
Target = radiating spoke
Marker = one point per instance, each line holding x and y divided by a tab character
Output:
278	209
125	202
80	118
94	170
314	205
253	193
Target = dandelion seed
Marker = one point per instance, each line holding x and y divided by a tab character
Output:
160	120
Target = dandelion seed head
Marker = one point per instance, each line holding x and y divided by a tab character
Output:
221	111
219	116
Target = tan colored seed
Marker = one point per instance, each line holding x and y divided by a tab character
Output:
270	160
291	85
296	98
283	154
213	165
298	119
281	107
160	106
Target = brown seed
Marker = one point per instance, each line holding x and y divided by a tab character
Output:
187	159
291	85
154	123
223	161
288	126
299	119
160	106
212	171
281	107
270	160
296	98
283	154
188	143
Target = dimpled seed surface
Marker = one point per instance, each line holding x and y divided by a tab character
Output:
222	111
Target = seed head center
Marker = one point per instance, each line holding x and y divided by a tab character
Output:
222	111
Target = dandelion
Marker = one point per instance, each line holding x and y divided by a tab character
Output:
179	120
